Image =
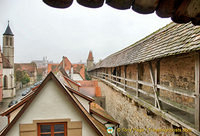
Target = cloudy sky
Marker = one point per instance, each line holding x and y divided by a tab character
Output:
41	30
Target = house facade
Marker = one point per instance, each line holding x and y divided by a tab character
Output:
69	114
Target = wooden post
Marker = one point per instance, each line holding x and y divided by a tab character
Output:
197	91
157	103
157	78
125	77
137	84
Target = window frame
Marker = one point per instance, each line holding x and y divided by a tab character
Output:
52	128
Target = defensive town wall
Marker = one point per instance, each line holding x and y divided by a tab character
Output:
132	101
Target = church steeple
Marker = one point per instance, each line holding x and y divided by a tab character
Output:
8	45
8	31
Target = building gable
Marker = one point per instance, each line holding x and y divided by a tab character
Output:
48	88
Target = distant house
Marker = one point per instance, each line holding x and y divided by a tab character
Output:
41	63
29	68
56	108
74	71
91	88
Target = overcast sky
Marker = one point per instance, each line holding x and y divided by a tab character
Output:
41	30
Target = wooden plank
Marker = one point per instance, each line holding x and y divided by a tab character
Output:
75	132
125	67
75	124
137	79
197	91
130	80
157	78
177	91
157	103
27	127
145	83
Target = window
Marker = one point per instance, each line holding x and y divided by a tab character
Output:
52	129
6	40
5	84
11	41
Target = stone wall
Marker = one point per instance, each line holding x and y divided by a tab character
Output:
134	119
178	72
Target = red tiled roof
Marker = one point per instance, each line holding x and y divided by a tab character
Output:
67	64
79	69
31	67
52	67
90	56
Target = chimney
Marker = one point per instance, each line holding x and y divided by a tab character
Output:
63	63
72	72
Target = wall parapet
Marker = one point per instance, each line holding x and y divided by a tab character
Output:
161	86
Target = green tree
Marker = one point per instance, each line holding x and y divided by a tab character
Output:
87	77
22	76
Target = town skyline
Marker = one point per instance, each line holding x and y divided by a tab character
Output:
44	31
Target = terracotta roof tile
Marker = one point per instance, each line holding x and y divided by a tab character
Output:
52	67
79	69
30	68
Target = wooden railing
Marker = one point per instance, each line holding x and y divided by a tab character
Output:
182	107
158	100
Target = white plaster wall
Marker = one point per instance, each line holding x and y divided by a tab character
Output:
84	102
52	103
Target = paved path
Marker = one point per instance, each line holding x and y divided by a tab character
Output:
4	106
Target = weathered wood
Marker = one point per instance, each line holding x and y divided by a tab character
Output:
157	103
59	3
197	91
157	79
125	67
145	83
120	4
177	91
145	6
131	80
137	79
180	16
166	8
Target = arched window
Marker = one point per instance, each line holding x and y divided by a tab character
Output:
5	82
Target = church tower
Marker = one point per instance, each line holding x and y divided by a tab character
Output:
8	45
90	61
